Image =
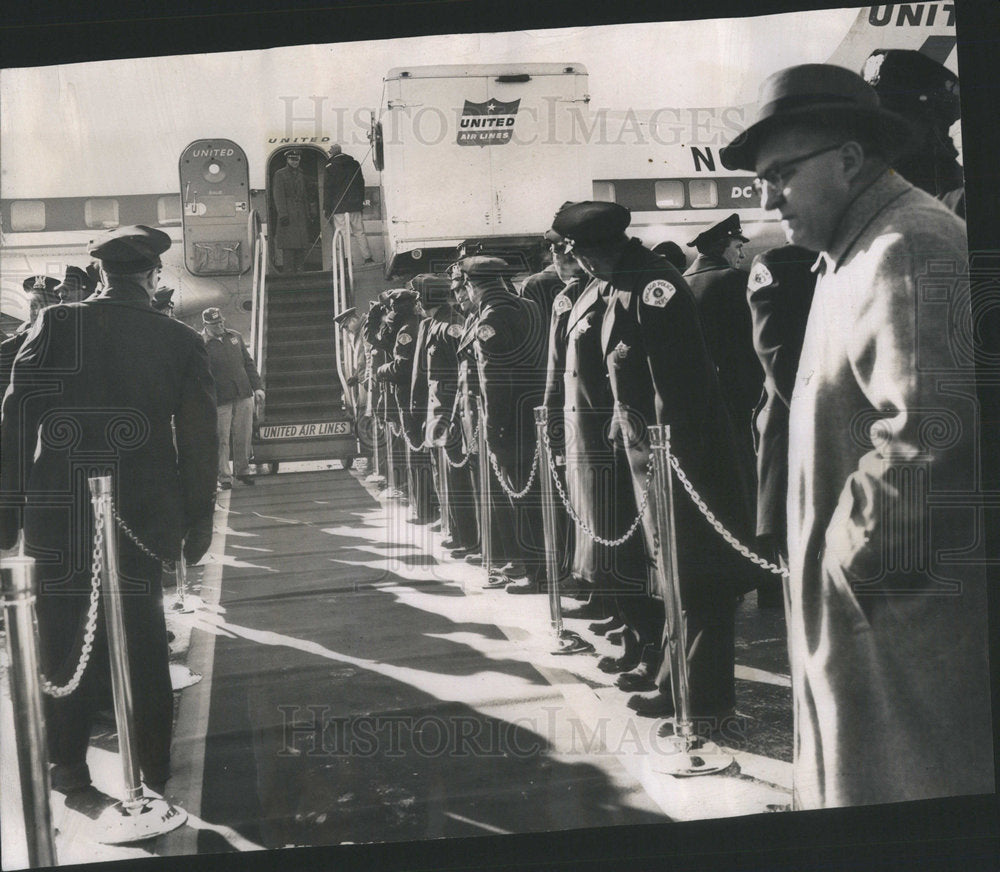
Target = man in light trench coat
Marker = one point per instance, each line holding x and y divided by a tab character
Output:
886	599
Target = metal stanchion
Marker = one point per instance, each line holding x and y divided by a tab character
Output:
390	462
443	495
689	754
485	510
136	817
180	568
18	580
569	642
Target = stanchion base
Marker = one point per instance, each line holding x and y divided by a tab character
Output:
571	643
686	757
152	817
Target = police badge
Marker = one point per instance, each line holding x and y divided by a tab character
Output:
658	293
760	276
563	304
404	339
621	351
234	340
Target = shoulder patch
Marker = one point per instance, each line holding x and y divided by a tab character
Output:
454	330
485	333
658	293
760	276
404	338
563	304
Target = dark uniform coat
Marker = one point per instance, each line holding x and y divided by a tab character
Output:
720	294
292	198
661	373
95	389
233	369
580	403
780	292
343	186
402	327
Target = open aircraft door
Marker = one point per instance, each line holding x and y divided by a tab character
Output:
215	200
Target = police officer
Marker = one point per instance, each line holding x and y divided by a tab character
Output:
400	328
926	93
125	375
599	485
378	397
661	373
433	392
779	292
77	284
163	301
719	289
294	200
510	344
42	292
238	387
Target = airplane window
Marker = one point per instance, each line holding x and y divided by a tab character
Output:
168	211
604	192
27	215
100	214
704	194
669	194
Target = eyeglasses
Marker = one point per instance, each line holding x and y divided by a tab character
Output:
778	175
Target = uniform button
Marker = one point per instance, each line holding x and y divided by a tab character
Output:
573	373
572	408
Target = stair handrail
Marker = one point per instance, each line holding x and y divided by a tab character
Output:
341	259
258	299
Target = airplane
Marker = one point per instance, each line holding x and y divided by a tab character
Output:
190	144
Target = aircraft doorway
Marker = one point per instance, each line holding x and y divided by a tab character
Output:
298	238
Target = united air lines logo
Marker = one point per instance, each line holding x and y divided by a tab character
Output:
490	123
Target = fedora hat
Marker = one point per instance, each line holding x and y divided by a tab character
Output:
822	91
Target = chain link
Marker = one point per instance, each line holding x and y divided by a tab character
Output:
90	628
514	495
609	543
719	528
167	564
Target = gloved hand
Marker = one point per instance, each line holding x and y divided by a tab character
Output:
197	540
383	372
284	220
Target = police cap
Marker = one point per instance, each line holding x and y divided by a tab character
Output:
163	299
724	230
913	84
293	152
212	316
400	298
44	285
433	289
591	222
482	266
345	316
130	249
77	281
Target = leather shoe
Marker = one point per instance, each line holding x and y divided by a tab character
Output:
643	677
450	544
525	585
496	580
600	628
246	479
474	559
660	705
225	485
592	609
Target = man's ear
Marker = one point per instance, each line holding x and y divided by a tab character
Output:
852	156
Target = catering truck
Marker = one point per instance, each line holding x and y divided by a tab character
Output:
481	155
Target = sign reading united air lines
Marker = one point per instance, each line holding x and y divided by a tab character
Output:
490	123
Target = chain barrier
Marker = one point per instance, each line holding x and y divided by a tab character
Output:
608	543
97	564
90	628
508	489
465	461
719	528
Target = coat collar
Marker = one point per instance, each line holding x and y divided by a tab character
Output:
123	291
886	189
707	263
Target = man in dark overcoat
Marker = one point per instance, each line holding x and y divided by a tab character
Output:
95	390
719	289
293	196
780	292
661	373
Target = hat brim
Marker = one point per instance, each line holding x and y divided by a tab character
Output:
893	131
